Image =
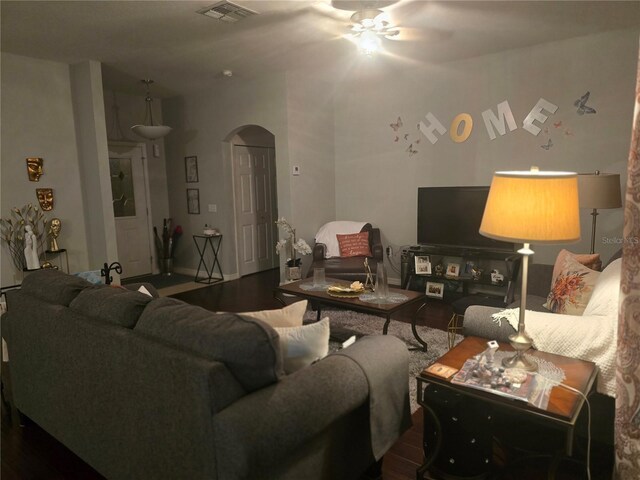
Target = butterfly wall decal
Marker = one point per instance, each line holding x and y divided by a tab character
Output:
557	124
581	103
548	145
396	125
411	150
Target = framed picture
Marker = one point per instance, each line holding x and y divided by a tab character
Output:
423	265
453	270
193	200
191	169
435	289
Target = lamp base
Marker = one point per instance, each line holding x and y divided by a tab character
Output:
521	342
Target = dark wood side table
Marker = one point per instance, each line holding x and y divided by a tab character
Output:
564	405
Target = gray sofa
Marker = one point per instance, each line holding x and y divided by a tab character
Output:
143	387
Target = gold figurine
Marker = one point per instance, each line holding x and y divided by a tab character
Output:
45	198
34	168
54	231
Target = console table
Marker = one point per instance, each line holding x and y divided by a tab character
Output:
208	243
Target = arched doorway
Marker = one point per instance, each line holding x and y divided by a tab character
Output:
255	198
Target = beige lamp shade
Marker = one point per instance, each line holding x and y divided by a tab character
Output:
532	207
599	190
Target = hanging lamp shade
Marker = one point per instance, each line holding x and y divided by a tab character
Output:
148	130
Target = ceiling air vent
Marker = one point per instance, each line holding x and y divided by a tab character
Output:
227	12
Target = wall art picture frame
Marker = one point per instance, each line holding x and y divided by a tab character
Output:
193	201
191	169
422	265
435	290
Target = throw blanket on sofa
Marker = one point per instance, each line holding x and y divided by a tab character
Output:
388	392
327	235
587	337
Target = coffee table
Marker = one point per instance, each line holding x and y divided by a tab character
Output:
564	405
385	310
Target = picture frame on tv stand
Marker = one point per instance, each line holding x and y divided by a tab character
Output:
435	290
422	265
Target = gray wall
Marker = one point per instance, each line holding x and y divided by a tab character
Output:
38	121
338	134
302	124
377	179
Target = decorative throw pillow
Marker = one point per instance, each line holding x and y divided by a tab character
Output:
589	260
571	288
289	316
301	346
354	245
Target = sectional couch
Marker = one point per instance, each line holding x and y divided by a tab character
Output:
142	387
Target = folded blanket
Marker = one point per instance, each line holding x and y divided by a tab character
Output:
587	337
390	412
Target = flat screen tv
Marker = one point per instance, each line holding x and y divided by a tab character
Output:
451	216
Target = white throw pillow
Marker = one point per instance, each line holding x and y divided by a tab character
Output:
301	346
606	293
289	316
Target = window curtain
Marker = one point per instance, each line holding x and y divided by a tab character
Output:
627	428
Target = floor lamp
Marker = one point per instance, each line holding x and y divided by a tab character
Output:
530	207
597	191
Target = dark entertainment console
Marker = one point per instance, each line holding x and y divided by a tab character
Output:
449	273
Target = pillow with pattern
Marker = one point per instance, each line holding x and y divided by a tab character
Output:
571	287
354	245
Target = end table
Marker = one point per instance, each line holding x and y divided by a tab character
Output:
561	412
212	243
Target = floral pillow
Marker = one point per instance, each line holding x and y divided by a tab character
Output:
354	244
571	287
589	260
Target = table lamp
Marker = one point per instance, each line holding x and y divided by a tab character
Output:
598	190
530	207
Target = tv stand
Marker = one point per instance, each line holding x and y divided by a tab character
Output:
449	286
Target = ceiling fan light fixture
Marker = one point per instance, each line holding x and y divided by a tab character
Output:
148	130
368	27
369	43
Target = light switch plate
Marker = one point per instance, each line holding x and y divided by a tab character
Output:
295	170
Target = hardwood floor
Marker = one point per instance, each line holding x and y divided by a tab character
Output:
30	453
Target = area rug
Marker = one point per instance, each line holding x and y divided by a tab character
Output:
345	322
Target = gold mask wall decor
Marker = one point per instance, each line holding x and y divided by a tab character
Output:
45	198
34	168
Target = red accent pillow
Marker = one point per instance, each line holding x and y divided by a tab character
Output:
354	244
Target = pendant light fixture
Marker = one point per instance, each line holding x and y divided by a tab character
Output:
148	130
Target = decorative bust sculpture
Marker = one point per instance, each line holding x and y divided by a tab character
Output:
54	231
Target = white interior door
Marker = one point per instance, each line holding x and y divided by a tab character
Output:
131	209
254	187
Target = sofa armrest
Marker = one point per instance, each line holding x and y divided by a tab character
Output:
318	252
261	430
478	323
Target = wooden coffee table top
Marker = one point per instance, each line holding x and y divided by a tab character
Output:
564	405
322	296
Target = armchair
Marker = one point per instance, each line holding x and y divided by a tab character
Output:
348	268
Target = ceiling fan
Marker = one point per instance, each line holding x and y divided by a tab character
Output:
369	26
